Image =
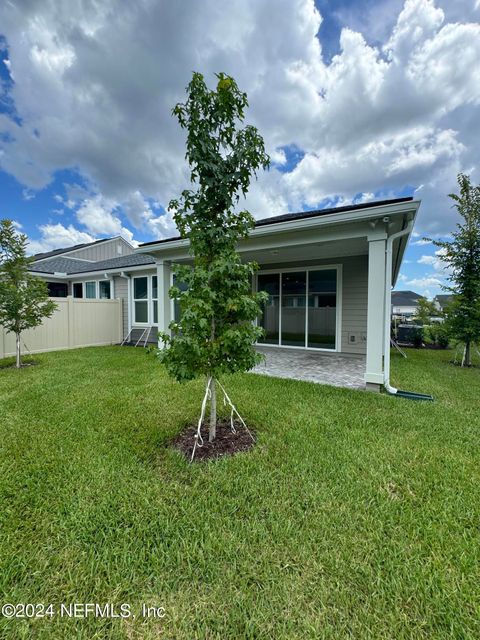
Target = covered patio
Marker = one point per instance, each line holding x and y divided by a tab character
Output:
337	369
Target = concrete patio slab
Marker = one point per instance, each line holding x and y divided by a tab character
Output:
337	369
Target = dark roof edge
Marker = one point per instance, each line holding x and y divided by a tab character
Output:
302	215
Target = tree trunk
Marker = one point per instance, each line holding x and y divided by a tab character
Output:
467	359
212	432
17	349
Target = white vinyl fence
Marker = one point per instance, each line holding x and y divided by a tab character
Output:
75	323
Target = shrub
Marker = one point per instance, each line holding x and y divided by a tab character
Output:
417	336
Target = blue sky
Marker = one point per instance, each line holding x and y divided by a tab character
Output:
356	100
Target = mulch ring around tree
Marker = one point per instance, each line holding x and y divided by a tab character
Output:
226	443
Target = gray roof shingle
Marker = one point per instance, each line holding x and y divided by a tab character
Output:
58	265
71	266
405	298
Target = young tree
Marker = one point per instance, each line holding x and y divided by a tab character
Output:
425	311
216	332
462	256
24	298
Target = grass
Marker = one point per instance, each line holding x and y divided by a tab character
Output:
356	516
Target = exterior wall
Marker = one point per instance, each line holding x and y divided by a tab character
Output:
76	323
404	311
103	251
354	300
354	297
120	291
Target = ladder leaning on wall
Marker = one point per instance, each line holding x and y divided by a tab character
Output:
143	337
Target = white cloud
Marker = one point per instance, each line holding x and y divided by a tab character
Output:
97	215
54	236
277	156
426	284
435	261
375	119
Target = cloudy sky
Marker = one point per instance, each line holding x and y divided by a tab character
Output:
357	100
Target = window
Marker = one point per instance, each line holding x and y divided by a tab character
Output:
140	299
104	289
177	312
302	309
57	289
78	290
91	289
155	299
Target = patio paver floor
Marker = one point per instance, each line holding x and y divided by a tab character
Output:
337	369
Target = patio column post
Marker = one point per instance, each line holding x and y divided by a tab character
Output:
374	374
164	303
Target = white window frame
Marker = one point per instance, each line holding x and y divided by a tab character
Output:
338	308
148	300
95	282
97	288
83	292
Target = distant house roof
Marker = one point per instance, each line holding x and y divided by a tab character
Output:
306	214
57	252
444	300
405	298
70	266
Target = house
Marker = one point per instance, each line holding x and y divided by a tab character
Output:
442	301
404	304
328	272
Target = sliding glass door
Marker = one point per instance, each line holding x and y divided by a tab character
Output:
294	287
270	318
322	308
301	310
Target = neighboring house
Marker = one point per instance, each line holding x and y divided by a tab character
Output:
328	272
404	304
442	301
92	270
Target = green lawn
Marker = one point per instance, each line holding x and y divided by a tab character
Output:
356	516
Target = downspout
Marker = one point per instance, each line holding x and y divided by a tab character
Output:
388	304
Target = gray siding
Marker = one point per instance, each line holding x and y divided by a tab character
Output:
354	297
103	251
120	287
